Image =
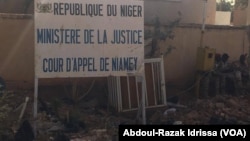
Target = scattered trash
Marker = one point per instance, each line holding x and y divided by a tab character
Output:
177	123
86	122
171	110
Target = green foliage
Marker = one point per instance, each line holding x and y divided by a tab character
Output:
160	33
224	6
241	4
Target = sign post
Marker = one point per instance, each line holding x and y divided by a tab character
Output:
87	38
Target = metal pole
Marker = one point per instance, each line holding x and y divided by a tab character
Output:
204	15
143	100
119	93
163	85
129	99
203	22
35	103
153	79
137	91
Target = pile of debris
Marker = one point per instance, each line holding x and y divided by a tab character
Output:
91	120
220	109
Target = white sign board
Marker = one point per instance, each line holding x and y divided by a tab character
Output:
88	38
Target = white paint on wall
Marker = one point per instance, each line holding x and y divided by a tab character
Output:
222	18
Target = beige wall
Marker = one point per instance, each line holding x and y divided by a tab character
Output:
191	10
17	48
180	64
242	16
222	18
248	14
16	6
239	17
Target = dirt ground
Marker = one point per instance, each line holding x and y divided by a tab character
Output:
60	118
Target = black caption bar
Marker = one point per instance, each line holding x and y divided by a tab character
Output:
162	132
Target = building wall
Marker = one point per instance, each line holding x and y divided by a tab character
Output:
168	10
248	14
17	49
222	18
239	17
16	6
193	11
181	62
